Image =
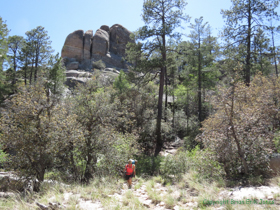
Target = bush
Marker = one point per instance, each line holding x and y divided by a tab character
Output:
202	161
145	164
173	167
3	156
206	164
99	65
241	131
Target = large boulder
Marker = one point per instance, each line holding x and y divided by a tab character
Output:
11	183
74	46
73	81
111	61
72	66
119	37
100	42
72	73
105	28
87	44
81	49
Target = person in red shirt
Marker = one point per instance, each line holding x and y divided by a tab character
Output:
130	172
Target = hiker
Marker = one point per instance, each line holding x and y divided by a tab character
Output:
129	173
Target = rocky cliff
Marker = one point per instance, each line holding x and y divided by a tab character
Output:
81	49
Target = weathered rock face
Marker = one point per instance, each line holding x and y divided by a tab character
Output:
100	42
119	37
74	46
72	65
87	44
107	44
105	28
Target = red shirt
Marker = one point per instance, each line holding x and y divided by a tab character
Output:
129	169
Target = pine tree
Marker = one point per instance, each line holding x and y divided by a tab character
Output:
243	19
161	17
15	44
56	74
3	51
40	47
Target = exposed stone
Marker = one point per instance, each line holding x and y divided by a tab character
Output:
111	61
112	70
7	195
42	206
87	44
12	183
100	42
72	66
147	203
105	28
73	46
73	81
72	73
86	65
81	50
119	37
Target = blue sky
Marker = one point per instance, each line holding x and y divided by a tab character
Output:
61	17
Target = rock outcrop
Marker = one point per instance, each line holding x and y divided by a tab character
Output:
100	42
87	44
119	37
107	44
74	46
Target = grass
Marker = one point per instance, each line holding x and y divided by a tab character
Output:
169	202
110	193
152	193
139	184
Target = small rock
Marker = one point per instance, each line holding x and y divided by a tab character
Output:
6	194
54	206
161	203
42	206
147	203
270	198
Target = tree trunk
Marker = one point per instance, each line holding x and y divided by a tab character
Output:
159	142
199	84
166	95
36	68
15	68
248	56
274	54
31	71
237	141
88	170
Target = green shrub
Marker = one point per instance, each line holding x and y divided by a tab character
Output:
276	141
205	163
202	161
173	167
3	155
99	64
145	164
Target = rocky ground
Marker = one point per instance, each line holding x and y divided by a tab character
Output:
268	194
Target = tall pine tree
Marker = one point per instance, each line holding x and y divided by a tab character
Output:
243	20
161	18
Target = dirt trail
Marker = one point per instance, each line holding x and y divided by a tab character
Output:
140	193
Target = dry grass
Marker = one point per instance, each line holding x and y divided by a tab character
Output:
190	189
